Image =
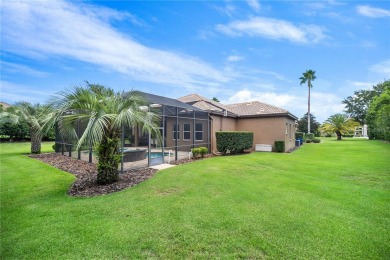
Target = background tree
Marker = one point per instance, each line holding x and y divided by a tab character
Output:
308	76
339	124
104	112
356	106
378	116
314	125
215	99
22	114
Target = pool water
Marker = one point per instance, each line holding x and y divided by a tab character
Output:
157	154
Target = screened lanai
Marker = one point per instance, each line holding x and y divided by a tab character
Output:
182	127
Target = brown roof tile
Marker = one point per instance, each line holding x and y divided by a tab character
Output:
254	108
240	109
195	99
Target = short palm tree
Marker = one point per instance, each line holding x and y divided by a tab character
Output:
104	113
339	124
35	115
308	77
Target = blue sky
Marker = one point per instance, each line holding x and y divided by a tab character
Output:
236	51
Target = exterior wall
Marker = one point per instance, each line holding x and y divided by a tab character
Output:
221	123
188	143
267	130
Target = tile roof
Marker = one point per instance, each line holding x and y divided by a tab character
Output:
5	105
255	108
203	103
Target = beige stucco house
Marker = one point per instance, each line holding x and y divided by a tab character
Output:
190	122
267	122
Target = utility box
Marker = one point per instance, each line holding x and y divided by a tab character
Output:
263	148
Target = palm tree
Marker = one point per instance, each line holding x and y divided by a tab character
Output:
339	124
308	77
104	113
35	115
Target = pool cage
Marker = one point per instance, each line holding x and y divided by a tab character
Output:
182	127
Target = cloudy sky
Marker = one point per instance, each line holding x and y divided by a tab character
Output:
234	50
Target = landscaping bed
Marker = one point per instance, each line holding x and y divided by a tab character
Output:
86	185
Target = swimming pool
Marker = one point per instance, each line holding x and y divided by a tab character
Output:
157	154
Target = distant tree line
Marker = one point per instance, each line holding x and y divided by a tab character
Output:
16	127
372	107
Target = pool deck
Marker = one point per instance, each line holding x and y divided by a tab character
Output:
162	166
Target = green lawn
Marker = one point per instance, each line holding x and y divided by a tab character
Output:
328	200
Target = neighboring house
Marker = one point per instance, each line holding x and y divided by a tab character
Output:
267	122
4	105
361	131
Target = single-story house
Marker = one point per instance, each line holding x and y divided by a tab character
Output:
267	122
192	121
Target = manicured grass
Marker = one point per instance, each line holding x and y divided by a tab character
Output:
328	200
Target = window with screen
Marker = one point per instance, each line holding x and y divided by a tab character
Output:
186	132
199	132
176	132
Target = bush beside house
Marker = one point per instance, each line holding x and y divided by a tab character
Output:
234	142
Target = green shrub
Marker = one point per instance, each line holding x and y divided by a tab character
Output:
203	151
195	152
348	135
316	140
279	146
54	146
234	142
310	136
308	140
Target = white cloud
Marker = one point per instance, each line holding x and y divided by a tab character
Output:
368	44
48	29
233	58
12	92
374	12
322	106
382	68
254	4
21	69
359	84
273	29
271	98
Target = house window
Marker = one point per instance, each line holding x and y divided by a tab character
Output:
176	132
186	132
199	132
290	131
286	128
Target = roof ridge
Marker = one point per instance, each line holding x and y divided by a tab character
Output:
241	103
202	98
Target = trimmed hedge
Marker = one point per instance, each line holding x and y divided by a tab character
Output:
233	142
279	146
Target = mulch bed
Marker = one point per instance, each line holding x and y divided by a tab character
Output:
86	185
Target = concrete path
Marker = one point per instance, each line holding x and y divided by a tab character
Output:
162	166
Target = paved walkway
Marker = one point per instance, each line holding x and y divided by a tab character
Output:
162	166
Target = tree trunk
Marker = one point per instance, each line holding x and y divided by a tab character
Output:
308	108
109	158
36	140
338	133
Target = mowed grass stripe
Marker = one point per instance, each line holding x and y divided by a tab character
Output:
327	200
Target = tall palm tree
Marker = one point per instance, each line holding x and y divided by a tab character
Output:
308	76
104	113
339	124
35	115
